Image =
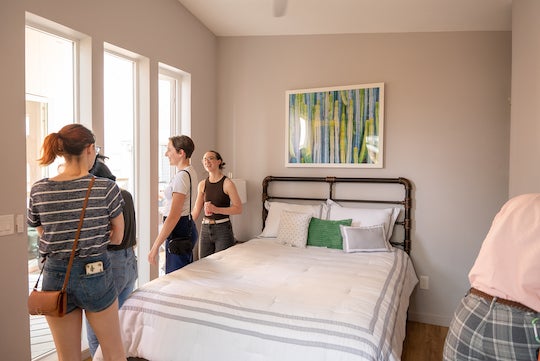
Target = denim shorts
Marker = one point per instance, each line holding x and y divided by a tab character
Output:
94	292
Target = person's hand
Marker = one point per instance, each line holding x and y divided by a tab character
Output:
209	208
153	255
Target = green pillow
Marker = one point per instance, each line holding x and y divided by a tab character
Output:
324	233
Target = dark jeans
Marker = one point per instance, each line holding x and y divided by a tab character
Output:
174	262
215	238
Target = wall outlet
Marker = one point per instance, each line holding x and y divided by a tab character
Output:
424	282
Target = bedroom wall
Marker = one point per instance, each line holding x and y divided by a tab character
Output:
525	128
447	120
161	30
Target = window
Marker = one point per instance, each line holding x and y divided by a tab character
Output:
50	104
167	125
174	119
174	115
50	98
119	123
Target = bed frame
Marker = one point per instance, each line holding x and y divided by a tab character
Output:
404	221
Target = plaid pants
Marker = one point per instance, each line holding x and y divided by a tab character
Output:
490	331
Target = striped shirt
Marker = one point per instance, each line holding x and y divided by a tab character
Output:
57	206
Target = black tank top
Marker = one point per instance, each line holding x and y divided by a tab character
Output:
214	193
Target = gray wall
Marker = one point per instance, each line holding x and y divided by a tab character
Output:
447	120
161	30
525	130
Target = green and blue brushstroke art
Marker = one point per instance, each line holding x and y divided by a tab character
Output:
335	126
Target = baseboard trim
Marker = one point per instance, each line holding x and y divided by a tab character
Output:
429	318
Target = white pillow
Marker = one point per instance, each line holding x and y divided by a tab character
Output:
293	228
364	239
274	213
365	216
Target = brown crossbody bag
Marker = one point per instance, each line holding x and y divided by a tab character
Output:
54	303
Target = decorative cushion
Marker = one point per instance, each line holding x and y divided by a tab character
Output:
293	228
365	216
274	213
325	233
365	239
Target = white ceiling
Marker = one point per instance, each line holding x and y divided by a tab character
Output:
255	17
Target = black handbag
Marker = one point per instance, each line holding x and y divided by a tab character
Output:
182	245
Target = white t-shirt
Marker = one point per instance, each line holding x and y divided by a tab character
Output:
180	184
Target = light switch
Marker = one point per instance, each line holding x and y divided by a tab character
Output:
19	223
7	225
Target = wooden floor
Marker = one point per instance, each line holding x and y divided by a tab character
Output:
423	342
41	341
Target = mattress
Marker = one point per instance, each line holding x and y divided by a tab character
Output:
262	300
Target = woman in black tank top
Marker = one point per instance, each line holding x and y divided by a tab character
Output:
218	196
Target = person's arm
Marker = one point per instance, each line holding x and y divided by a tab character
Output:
117	229
130	222
168	226
196	211
236	204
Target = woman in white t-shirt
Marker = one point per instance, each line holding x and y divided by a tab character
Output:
179	195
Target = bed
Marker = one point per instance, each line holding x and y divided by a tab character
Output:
286	294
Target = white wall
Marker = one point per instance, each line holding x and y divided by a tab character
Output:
447	120
525	129
161	30
15	338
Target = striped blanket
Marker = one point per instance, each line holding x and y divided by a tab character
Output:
266	301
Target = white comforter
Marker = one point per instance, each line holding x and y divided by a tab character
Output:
265	301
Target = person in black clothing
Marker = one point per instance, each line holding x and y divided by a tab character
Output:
220	199
122	256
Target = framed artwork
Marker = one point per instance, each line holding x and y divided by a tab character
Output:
335	126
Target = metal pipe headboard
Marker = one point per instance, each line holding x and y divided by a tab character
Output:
405	201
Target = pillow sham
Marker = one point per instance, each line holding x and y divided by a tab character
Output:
274	212
293	228
365	239
365	216
326	233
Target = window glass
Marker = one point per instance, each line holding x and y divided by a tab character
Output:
167	126
50	104
119	110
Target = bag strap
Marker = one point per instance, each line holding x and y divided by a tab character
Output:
75	242
190	190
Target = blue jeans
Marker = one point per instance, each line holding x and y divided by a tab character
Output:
215	238
124	270
174	262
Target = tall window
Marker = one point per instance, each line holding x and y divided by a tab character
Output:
174	114
50	100
174	119
119	125
50	104
167	126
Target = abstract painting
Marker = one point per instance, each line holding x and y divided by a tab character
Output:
335	126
